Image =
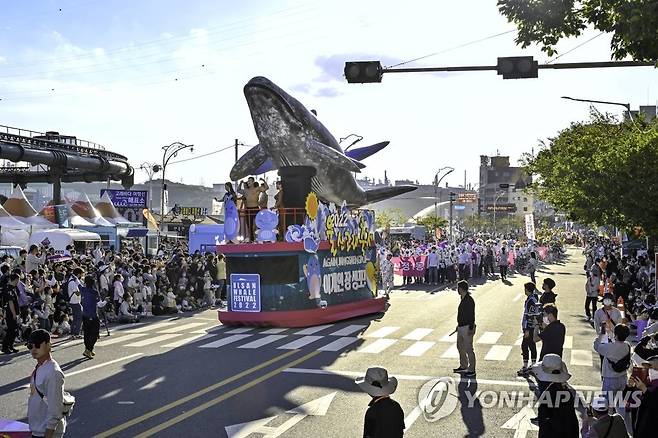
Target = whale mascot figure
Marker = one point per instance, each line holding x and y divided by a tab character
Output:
231	221
313	278
266	222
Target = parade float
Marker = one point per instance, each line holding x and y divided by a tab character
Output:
314	261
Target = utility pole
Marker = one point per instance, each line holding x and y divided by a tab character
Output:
452	200
236	150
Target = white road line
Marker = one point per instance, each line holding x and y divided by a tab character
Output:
382	332
346	331
153	340
378	346
117	339
451	353
263	341
153	383
518	297
418	334
519	341
195	338
338	344
274	331
311	330
182	328
225	341
449	338
418	348
568	342
100	365
581	357
498	352
240	330
210	330
298	343
489	338
122	328
412	417
150	327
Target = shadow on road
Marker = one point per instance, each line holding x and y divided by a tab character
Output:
471	409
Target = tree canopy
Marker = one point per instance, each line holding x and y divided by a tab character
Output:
602	172
632	23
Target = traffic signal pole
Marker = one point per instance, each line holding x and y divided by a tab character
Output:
566	65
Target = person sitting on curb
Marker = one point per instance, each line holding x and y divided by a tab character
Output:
125	314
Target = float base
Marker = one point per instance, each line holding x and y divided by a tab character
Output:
303	318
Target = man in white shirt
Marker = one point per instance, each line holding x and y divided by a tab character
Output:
433	264
97	254
75	301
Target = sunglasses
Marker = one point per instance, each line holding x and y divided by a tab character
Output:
31	345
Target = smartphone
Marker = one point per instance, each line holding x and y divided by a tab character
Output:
641	373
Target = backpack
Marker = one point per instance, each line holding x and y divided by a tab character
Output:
622	364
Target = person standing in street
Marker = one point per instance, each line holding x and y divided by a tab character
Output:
532	266
465	331
503	263
73	290
598	423
45	407
607	317
592	291
10	298
384	417
531	311
433	264
616	359
90	322
553	334
548	296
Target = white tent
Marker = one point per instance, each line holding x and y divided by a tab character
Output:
18	206
12	231
88	212
106	208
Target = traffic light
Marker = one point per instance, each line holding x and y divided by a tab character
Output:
362	72
453	196
517	67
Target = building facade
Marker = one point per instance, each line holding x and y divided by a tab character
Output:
503	187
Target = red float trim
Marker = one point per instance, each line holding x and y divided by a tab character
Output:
249	248
303	318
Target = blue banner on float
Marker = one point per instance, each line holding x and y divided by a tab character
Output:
245	293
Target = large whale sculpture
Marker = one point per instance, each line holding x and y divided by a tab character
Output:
290	135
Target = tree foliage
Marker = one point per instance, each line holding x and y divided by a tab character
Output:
389	218
632	23
432	222
602	172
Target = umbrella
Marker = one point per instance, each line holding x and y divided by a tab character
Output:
59	258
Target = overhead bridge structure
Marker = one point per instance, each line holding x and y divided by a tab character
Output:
55	158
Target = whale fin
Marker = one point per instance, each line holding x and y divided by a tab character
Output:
251	163
366	151
375	195
325	155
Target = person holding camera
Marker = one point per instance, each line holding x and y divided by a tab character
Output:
615	363
644	424
35	258
599	423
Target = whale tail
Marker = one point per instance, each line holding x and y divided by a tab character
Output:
376	195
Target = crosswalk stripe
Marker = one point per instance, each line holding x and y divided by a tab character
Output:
382	332
378	346
581	357
153	340
117	339
498	352
346	331
418	348
129	327
338	344
298	343
489	338
274	331
519	341
418	334
311	330
195	338
150	327
224	341
263	341
210	330
568	342
182	328
451	353
240	330
449	338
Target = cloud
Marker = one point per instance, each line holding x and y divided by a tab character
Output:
2	59
327	92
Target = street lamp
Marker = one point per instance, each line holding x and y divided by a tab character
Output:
625	105
169	152
150	169
358	139
437	181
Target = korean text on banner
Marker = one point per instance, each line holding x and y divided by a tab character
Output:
530	226
410	266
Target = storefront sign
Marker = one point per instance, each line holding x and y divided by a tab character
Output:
245	292
191	211
530	226
510	208
467	197
127	198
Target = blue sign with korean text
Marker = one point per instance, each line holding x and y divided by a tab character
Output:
245	292
127	198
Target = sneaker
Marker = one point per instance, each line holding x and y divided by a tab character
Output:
469	374
459	370
87	354
92	353
13	350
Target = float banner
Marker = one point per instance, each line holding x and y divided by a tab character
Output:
410	266
245	292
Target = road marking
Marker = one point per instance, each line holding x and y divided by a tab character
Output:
489	338
451	337
195	338
519	340
581	357
153	340
411	418
274	331
451	353
382	332
122	328
182	328
263	341
100	365
568	342
115	340
240	330
311	330
298	343
338	344
225	396
210	330
418	334
518	297
153	383
378	346
346	331
199	393
498	352
418	348
225	341
150	327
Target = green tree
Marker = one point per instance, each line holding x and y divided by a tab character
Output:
432	222
388	218
475	223
632	23
602	173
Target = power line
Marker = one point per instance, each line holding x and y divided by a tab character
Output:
575	48
454	48
210	153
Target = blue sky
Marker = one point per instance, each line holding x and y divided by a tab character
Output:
135	75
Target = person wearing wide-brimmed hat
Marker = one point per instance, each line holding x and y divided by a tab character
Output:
557	403
384	417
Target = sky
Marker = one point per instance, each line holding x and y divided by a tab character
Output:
138	75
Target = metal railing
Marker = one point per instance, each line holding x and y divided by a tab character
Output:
287	217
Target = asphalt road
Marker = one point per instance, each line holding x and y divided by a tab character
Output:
189	376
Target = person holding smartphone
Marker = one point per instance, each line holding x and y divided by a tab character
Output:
599	423
644	425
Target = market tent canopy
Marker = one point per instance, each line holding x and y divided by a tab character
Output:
88	212
106	208
7	220
18	205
